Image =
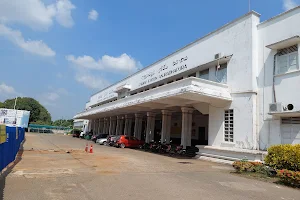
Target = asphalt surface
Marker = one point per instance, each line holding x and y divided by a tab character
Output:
55	167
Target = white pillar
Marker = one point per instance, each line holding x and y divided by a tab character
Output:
128	124
119	128
138	126
166	126
101	125
117	125
95	132
89	125
186	128
105	126
150	127
93	125
98	127
112	126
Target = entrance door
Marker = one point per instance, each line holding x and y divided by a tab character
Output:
202	133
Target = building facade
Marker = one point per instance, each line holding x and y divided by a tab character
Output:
232	93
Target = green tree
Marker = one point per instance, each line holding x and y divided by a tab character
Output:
63	122
38	113
1	105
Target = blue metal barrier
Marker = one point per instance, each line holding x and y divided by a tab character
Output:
10	148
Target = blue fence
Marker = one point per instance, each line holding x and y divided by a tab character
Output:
10	148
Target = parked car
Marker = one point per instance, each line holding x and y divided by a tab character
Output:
129	141
102	141
96	137
75	133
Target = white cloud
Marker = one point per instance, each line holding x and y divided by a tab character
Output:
51	96
6	89
63	13
37	47
91	81
289	4
36	14
62	91
93	15
7	92
123	63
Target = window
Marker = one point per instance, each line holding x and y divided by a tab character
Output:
204	74
287	62
192	75
221	73
228	129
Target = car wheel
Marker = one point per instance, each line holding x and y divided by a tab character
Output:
105	143
122	145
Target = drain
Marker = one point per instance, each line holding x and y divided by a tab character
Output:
185	163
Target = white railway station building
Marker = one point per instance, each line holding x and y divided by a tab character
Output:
232	93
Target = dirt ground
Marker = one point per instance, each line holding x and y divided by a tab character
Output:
56	167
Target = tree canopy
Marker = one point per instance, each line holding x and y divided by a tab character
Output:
38	113
63	122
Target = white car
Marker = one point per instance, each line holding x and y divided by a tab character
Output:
102	141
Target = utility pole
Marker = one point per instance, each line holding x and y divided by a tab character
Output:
15	111
15	103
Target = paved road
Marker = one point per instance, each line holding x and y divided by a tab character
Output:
47	172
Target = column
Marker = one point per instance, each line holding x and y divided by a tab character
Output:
166	126
106	126
150	127
128	124
119	127
95	131
101	125
89	125
138	125
186	128
98	126
121	130
112	127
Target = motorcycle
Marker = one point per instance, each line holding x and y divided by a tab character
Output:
164	147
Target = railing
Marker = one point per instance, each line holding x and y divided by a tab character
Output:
10	148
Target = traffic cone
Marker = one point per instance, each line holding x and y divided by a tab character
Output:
86	147
91	149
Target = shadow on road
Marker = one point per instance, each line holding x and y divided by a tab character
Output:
9	169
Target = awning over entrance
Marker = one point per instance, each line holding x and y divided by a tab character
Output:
188	91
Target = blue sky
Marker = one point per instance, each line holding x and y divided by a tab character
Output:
62	51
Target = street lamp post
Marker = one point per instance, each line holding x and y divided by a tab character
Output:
15	111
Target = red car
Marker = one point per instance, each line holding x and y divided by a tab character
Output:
128	141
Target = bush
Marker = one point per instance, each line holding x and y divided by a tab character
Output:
245	166
285	156
289	177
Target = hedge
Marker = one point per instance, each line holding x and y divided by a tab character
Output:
289	177
286	156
